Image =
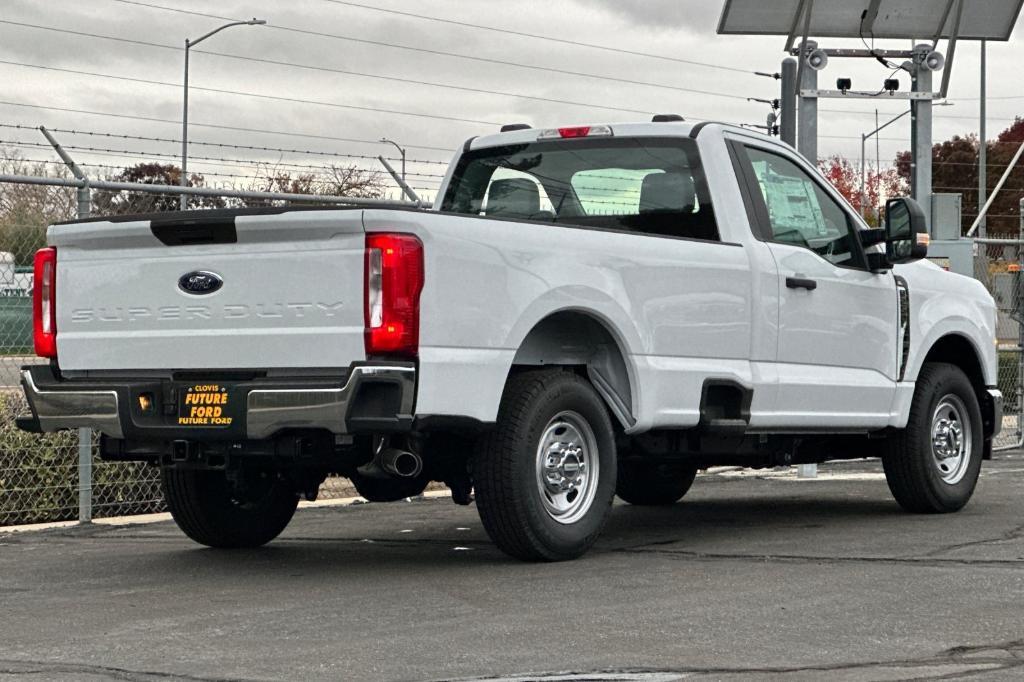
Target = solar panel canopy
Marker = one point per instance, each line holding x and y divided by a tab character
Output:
981	19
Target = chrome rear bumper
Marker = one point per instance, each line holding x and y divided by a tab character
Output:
371	397
55	410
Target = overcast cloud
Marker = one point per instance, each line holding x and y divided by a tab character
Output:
678	28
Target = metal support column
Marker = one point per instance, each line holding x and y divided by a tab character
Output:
982	147
921	135
787	103
807	135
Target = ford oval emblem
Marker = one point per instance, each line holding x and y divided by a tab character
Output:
200	282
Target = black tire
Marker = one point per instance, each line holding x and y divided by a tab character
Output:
650	484
911	469
387	489
205	507
506	472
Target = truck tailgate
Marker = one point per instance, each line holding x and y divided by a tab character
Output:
291	295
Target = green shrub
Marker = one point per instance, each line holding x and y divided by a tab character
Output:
39	475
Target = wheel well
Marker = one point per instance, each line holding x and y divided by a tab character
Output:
576	339
957	350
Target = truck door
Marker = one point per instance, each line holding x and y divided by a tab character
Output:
836	363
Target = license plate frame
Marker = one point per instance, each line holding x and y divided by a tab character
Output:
207	405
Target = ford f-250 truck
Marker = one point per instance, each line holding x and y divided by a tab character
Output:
585	312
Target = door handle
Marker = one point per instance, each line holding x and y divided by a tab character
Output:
801	283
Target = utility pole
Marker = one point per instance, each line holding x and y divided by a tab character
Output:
807	135
921	134
787	102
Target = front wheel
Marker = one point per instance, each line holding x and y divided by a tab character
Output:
545	476
932	466
217	512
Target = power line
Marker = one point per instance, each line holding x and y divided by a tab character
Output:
327	69
523	34
456	55
176	122
250	94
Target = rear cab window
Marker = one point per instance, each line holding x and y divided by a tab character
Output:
653	186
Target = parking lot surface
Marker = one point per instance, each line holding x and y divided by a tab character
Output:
750	577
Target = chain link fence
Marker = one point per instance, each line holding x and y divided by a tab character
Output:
59	477
997	265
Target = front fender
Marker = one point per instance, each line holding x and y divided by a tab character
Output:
944	304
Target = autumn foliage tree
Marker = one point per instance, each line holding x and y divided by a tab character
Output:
955	170
120	203
877	187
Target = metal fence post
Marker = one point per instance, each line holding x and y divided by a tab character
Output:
1020	328
84	435
84	195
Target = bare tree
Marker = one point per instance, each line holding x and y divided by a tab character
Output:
335	180
26	210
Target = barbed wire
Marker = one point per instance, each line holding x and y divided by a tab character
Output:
177	122
223	145
212	159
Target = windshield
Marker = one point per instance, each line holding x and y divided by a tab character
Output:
648	185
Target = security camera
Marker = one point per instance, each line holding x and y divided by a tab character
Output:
817	59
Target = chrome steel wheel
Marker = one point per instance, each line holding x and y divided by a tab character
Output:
567	467
951	439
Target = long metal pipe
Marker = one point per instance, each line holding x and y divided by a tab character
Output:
995	191
183	181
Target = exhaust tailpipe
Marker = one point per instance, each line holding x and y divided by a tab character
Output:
400	463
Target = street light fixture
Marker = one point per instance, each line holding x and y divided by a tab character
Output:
863	141
184	117
401	151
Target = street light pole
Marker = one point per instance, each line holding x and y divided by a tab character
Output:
183	181
863	143
401	151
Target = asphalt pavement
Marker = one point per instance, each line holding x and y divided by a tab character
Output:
750	577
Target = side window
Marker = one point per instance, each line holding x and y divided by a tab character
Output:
800	212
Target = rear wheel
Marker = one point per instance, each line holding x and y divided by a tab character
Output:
545	476
217	512
932	465
654	484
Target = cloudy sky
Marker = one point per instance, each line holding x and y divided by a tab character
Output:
336	76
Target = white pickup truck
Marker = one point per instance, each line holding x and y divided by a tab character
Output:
585	312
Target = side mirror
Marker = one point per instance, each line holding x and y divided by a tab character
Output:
906	231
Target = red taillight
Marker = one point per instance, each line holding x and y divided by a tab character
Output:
394	280
581	131
44	308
